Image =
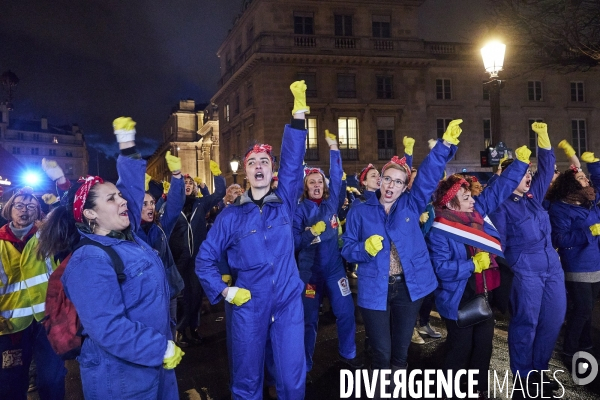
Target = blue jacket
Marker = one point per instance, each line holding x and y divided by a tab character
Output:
453	266
320	259
401	226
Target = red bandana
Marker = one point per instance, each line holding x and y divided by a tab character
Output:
452	191
474	179
574	168
82	194
399	161
363	174
308	171
259	148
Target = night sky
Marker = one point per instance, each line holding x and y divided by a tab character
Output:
88	62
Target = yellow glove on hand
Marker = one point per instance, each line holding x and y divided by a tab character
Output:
589	157
373	244
431	143
424	217
5	325
330	138
453	132
52	169
238	296
318	228
124	129
595	229
49	198
166	187
523	154
147	179
567	148
173	356
298	89
198	180
174	163
409	144
214	168
227	279
542	131
481	261
344	176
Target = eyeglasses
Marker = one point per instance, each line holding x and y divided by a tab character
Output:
21	206
397	182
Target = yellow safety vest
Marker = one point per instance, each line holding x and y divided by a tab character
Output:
23	284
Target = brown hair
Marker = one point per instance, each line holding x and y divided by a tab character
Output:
443	188
325	187
7	210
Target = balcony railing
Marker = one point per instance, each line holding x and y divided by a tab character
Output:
385	154
312	155
349	154
60	139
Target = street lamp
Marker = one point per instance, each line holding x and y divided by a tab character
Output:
493	61
234	164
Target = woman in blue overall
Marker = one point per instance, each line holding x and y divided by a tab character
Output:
537	298
319	259
127	352
575	218
394	271
463	246
256	234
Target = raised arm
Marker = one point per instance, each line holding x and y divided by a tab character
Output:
336	171
409	144
546	161
176	199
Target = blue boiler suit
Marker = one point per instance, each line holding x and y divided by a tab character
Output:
538	297
321	267
259	244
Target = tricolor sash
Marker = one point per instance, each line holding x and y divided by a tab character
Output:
470	236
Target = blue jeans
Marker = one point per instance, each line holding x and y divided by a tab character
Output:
390	331
32	343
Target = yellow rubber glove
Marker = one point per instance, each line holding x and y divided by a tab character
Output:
318	228
344	176
214	168
523	154
431	143
567	148
174	163
199	194
166	187
124	129
173	356
330	138
238	296
49	198
453	132
541	129
409	144
147	180
298	89
227	279
589	157
595	229
198	180
424	217
481	261
373	244
5	325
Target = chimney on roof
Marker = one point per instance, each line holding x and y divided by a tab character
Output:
44	123
74	129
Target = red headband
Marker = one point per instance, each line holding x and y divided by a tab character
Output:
398	161
453	191
574	168
474	179
363	174
259	148
308	171
82	194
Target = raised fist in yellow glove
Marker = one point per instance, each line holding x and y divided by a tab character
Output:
330	138
373	244
424	217
147	179
124	129
595	229
198	180
238	296
523	154
567	148
409	144
5	325
227	279
481	261
589	157
318	228
453	132
49	198
344	176
298	89
541	129
214	168
174	163
173	356
166	187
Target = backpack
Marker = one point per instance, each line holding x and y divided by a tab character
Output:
63	328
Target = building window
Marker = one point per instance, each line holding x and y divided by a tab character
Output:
346	86
442	125
249	94
385	87
579	141
487	132
55	140
16	150
385	138
52	152
443	89
227	62
303	23
20	136
35	151
69	154
343	25
250	33
533	137
381	26
348	138
577	91
238	52
534	90
36	137
310	79
226	111
486	91
312	145
236	105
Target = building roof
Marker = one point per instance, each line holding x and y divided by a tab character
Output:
36	126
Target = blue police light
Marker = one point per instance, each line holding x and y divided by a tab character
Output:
31	178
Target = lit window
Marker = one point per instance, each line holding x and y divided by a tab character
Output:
348	137
312	145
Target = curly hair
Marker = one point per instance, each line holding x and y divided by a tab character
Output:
565	184
443	188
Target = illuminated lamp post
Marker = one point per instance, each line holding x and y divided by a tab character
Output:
234	164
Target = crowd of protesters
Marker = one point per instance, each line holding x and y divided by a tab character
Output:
411	238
